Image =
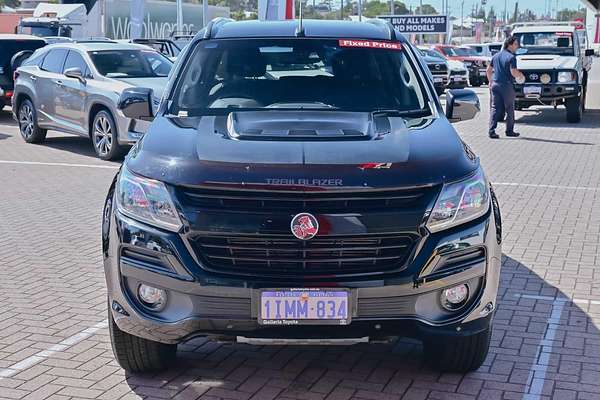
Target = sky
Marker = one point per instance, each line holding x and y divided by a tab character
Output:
538	6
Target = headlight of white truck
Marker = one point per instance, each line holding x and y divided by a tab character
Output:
567	77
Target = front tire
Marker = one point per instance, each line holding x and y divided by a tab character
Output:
574	107
105	137
135	354
457	353
28	125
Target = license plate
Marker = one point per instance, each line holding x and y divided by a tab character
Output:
457	78
482	73
304	307
533	91
438	80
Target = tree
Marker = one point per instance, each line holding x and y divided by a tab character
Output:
570	15
374	8
9	3
427	10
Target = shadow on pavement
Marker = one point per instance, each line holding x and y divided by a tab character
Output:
6	117
74	144
532	139
548	117
541	342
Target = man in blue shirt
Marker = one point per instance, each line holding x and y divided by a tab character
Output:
500	74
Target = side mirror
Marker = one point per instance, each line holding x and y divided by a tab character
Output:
75	73
589	52
461	105
136	103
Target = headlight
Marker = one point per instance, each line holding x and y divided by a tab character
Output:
146	200
460	202
567	77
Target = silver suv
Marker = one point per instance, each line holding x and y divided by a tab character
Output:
74	88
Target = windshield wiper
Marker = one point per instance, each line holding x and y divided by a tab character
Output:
420	112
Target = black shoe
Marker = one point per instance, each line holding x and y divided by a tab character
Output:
493	135
513	134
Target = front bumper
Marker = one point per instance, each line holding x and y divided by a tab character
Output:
440	81
458	81
549	93
202	303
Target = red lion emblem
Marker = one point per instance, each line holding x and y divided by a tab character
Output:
304	226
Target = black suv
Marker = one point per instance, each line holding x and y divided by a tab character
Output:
15	49
300	183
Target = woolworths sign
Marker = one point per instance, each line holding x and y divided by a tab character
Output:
160	18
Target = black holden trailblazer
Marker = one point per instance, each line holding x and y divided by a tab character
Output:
301	184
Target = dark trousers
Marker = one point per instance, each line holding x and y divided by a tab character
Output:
502	102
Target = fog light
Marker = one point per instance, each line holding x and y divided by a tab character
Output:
455	297
152	297
545	79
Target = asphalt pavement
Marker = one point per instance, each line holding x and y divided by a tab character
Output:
546	343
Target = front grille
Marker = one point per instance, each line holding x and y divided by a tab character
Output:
453	73
535	76
438	68
277	255
232	307
385	307
316	202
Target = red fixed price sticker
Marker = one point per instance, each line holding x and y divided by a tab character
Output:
563	34
370	44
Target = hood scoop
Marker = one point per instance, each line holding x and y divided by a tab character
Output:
300	125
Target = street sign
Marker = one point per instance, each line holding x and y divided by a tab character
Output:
418	23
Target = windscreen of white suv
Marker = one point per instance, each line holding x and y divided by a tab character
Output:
559	43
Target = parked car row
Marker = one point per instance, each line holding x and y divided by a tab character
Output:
74	87
446	72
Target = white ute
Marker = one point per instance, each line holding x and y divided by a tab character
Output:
555	64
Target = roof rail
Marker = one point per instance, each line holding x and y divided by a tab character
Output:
543	23
386	25
215	24
95	40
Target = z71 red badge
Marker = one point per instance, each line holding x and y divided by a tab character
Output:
370	44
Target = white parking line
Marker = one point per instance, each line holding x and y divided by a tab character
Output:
57	348
535	185
539	369
58	164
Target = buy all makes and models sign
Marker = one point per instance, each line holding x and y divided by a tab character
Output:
418	23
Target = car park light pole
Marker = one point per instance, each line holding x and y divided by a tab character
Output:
179	4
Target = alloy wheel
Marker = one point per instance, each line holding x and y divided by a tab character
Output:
102	135
26	121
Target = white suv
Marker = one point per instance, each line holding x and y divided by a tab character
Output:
555	65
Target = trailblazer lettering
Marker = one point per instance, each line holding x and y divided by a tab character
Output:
305	181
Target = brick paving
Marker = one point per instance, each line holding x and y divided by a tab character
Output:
546	342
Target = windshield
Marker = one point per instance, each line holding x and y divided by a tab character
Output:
131	63
495	48
298	74
560	43
431	53
459	51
